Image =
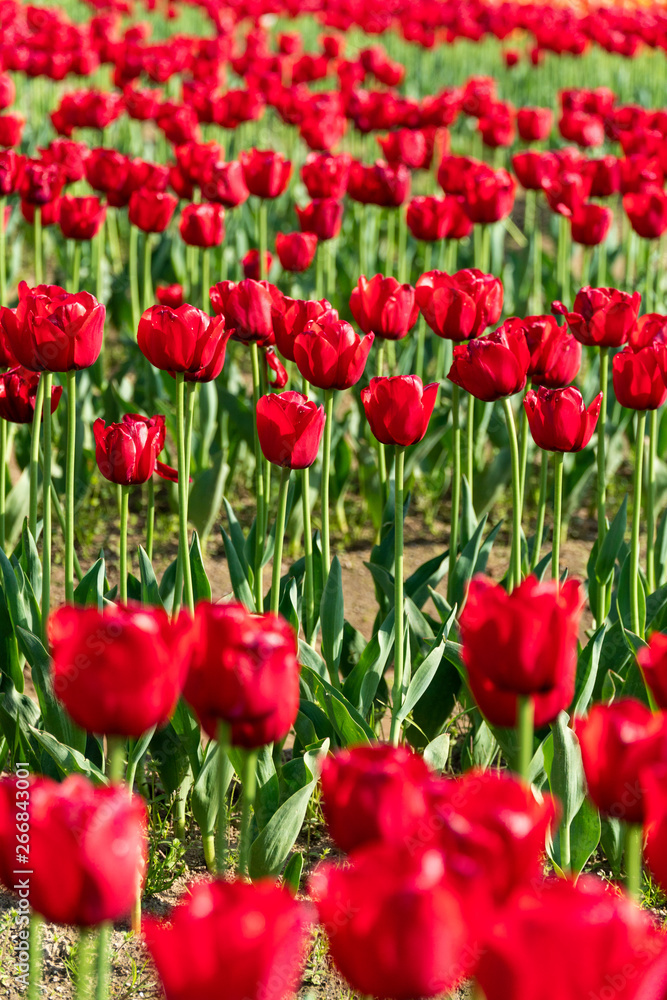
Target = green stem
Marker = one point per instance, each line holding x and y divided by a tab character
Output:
382	458
402	242
456	490
397	689
390	247
280	534
150	519
3	254
308	583
263	238
634	837
99	240
421	330
650	501
148	283
183	483
3	479
248	789
103	970
76	266
523	451
46	500
525	719
35	956
635	583
515	571
319	272
326	466
57	506
602	265
601	610
541	509
470	443
34	455
39	259
259	483
123	502
558	509
536	299
133	267
205	278
224	743
85	963
69	486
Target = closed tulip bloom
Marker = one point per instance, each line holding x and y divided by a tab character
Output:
533	634
571	940
398	408
639	377
408	146
497	128
18	392
293	316
250	936
247	307
11	129
11	171
183	340
459	306
323	216
250	264
108	171
126	453
289	427
170	295
50	212
489	194
40	182
330	354
71	157
534	124
618	743
650	328
375	793
605	176
428	218
654	781
555	356
266	172
81	218
202	225
590	224
395	922
296	251
7	317
453	171
566	189
647	212
55	331
532	168
242	670
117	672
151	211
653	662
87	848
558	418
325	175
384	307
380	184
225	183
494	366
602	317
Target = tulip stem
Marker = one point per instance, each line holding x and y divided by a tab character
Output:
558	508
525	723
150	519
382	459
421	330
633	859
3	254
470	443
99	257
601	610
34	455
35	956
515	569
3	479
536	301
103	943
123	504
183	483
248	788
523	452
39	266
319	271
390	246
205	278
541	509
69	485
84	963
326	466
262	238
224	743
635	583
402	242
309	594
259	484
76	266
456	491
279	539
602	265
650	501
148	283
397	689
133	268
46	498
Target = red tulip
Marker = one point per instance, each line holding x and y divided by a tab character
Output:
108	171
533	634
323	216
619	742
329	353
11	129
461	305
250	936
428	218
196	158
408	146
639	377
11	171
380	184
584	129
488	194
247	307
639	173
532	169
534	124
325	175
494	366
81	218
591	224
18	392
647	212
243	671
118	673
55	331
70	156
653	662
558	418
650	328
384	307
126	453
605	176
289	427
225	183
151	211
398	408
296	251
292	318
87	848
602	317
555	356
202	225
395	922
50	212
40	182
566	189
170	295
266	172
453	171
497	127
250	264
655	821
183	340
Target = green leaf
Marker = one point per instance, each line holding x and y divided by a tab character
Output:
611	546
55	719
436	754
237	536
361	685
421	680
349	725
587	672
150	592
332	616
584	835
292	873
67	759
90	591
200	584
205	789
465	564
206	495
240	584
566	774
418	585
168	586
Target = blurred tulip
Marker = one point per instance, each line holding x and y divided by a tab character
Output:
266	172
380	184
647	212
81	218
11	171
11	129
488	194
534	124
428	218
225	183
250	264
591	224
323	216
170	295
653	662
151	211
202	225
296	251
325	176
40	182
532	169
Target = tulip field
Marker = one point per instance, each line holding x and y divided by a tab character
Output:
333	500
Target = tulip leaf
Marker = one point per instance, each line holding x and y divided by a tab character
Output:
332	616
55	719
584	835
566	773
236	535
418	585
436	754
622	604
240	584
612	842
150	592
308	657
10	660
611	546
29	559
18	714
206	495
139	746
271	848
468	516
361	684
349	725
661	550
421	680
587	671
167	586
90	591
205	789
67	759
465	564
200	585
441	605
16	508
293	872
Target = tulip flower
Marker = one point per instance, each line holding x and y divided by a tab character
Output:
119	672
384	307
653	662
330	354
325	176
605	176
655	822
266	173
559	420
87	848
323	216
81	218
151	211
429	218
252	937
381	184
243	684
492	367
488	194
461	305
650	328
534	124
202	225
170	295
296	251
11	129
250	264
184	341
555	356
590	224
647	211
225	184
532	168
292	318
638	377
290	429
18	395
404	933
453	171
247	309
